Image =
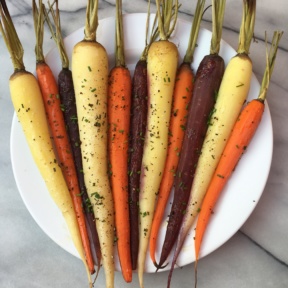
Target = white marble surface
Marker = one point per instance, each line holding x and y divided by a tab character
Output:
256	256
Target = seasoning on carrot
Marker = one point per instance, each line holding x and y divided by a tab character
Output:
162	61
207	81
68	107
50	94
119	105
243	132
230	98
28	104
138	120
182	96
89	67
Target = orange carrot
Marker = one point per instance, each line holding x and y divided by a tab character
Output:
181	98
119	104
52	104
243	131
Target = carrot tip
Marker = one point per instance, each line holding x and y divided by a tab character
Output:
195	271
160	266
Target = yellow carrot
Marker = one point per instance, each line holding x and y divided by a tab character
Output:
232	94
28	104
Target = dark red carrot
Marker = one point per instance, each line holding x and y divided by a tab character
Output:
243	132
138	120
68	106
207	81
182	95
50	94
137	132
119	105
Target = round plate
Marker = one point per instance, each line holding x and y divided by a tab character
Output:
237	201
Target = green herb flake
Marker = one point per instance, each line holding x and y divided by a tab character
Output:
220	176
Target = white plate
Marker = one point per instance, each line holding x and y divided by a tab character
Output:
240	196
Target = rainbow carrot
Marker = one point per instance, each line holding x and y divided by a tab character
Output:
119	105
60	138
182	96
243	132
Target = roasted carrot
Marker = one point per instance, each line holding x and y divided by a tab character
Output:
243	132
90	77
50	94
138	120
181	98
230	98
28	104
207	82
68	107
119	105
162	61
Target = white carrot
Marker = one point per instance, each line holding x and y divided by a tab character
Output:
28	104
90	77
162	61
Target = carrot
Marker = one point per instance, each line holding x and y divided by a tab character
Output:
138	121
68	107
162	61
90	78
207	82
230	98
243	132
119	105
181	98
28	104
50	94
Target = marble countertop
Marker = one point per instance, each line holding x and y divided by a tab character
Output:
256	256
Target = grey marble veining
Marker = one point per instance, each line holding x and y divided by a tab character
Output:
255	257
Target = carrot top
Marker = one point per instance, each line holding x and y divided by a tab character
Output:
247	26
188	58
218	8
165	16
119	50
91	23
11	38
57	35
270	60
153	35
39	17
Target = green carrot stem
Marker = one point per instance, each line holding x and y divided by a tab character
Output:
153	36
11	38
38	17
270	61
218	8
188	58
91	23
165	16
247	26
57	35
119	50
